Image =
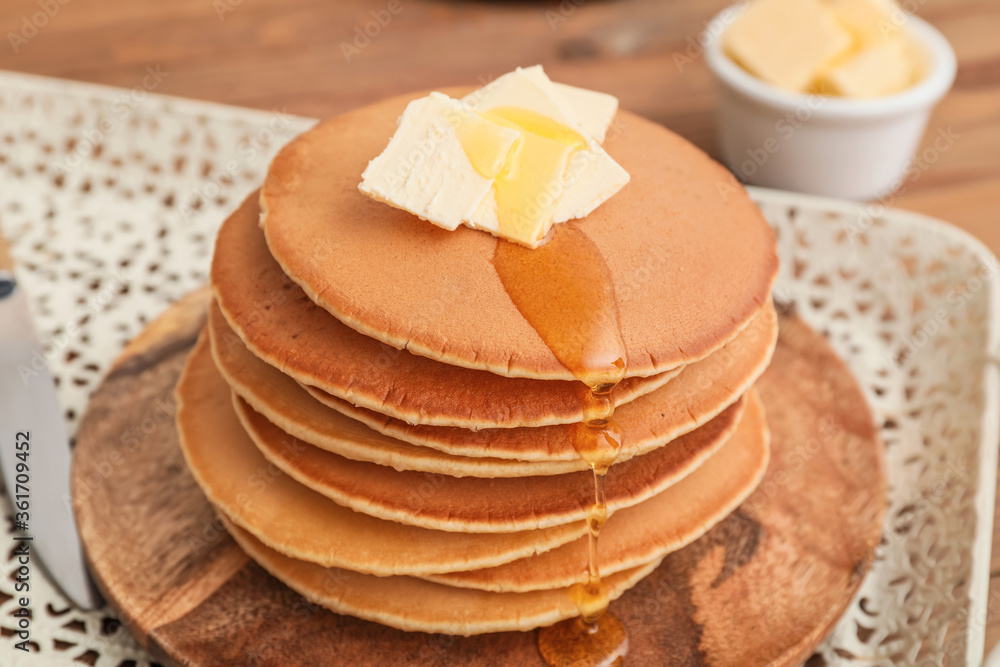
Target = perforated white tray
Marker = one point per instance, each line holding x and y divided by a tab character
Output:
112	199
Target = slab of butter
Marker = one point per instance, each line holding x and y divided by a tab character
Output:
870	22
425	170
880	69
852	48
593	111
786	42
512	158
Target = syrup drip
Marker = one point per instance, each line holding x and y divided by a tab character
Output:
564	290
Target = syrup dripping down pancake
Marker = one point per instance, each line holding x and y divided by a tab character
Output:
648	531
417	605
700	393
279	324
469	504
811	398
691	257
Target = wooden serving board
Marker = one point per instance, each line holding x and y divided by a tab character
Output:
761	588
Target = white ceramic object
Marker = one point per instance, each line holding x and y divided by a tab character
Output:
832	146
911	304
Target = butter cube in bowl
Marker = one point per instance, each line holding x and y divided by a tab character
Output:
827	97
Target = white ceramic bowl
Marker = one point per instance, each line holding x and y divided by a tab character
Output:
832	146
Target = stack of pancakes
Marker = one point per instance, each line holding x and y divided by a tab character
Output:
383	431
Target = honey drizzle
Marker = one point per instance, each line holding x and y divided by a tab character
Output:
564	290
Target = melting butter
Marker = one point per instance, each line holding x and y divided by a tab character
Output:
512	158
529	177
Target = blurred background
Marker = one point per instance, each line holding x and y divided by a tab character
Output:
317	58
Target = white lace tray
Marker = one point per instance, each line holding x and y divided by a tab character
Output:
111	199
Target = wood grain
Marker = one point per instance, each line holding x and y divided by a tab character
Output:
191	596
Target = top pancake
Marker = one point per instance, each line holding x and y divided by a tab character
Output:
281	326
690	256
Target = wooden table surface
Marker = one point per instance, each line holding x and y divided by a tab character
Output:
311	57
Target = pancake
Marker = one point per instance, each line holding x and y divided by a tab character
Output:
548	450
690	256
303	524
416	605
289	406
472	505
698	394
650	530
279	324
